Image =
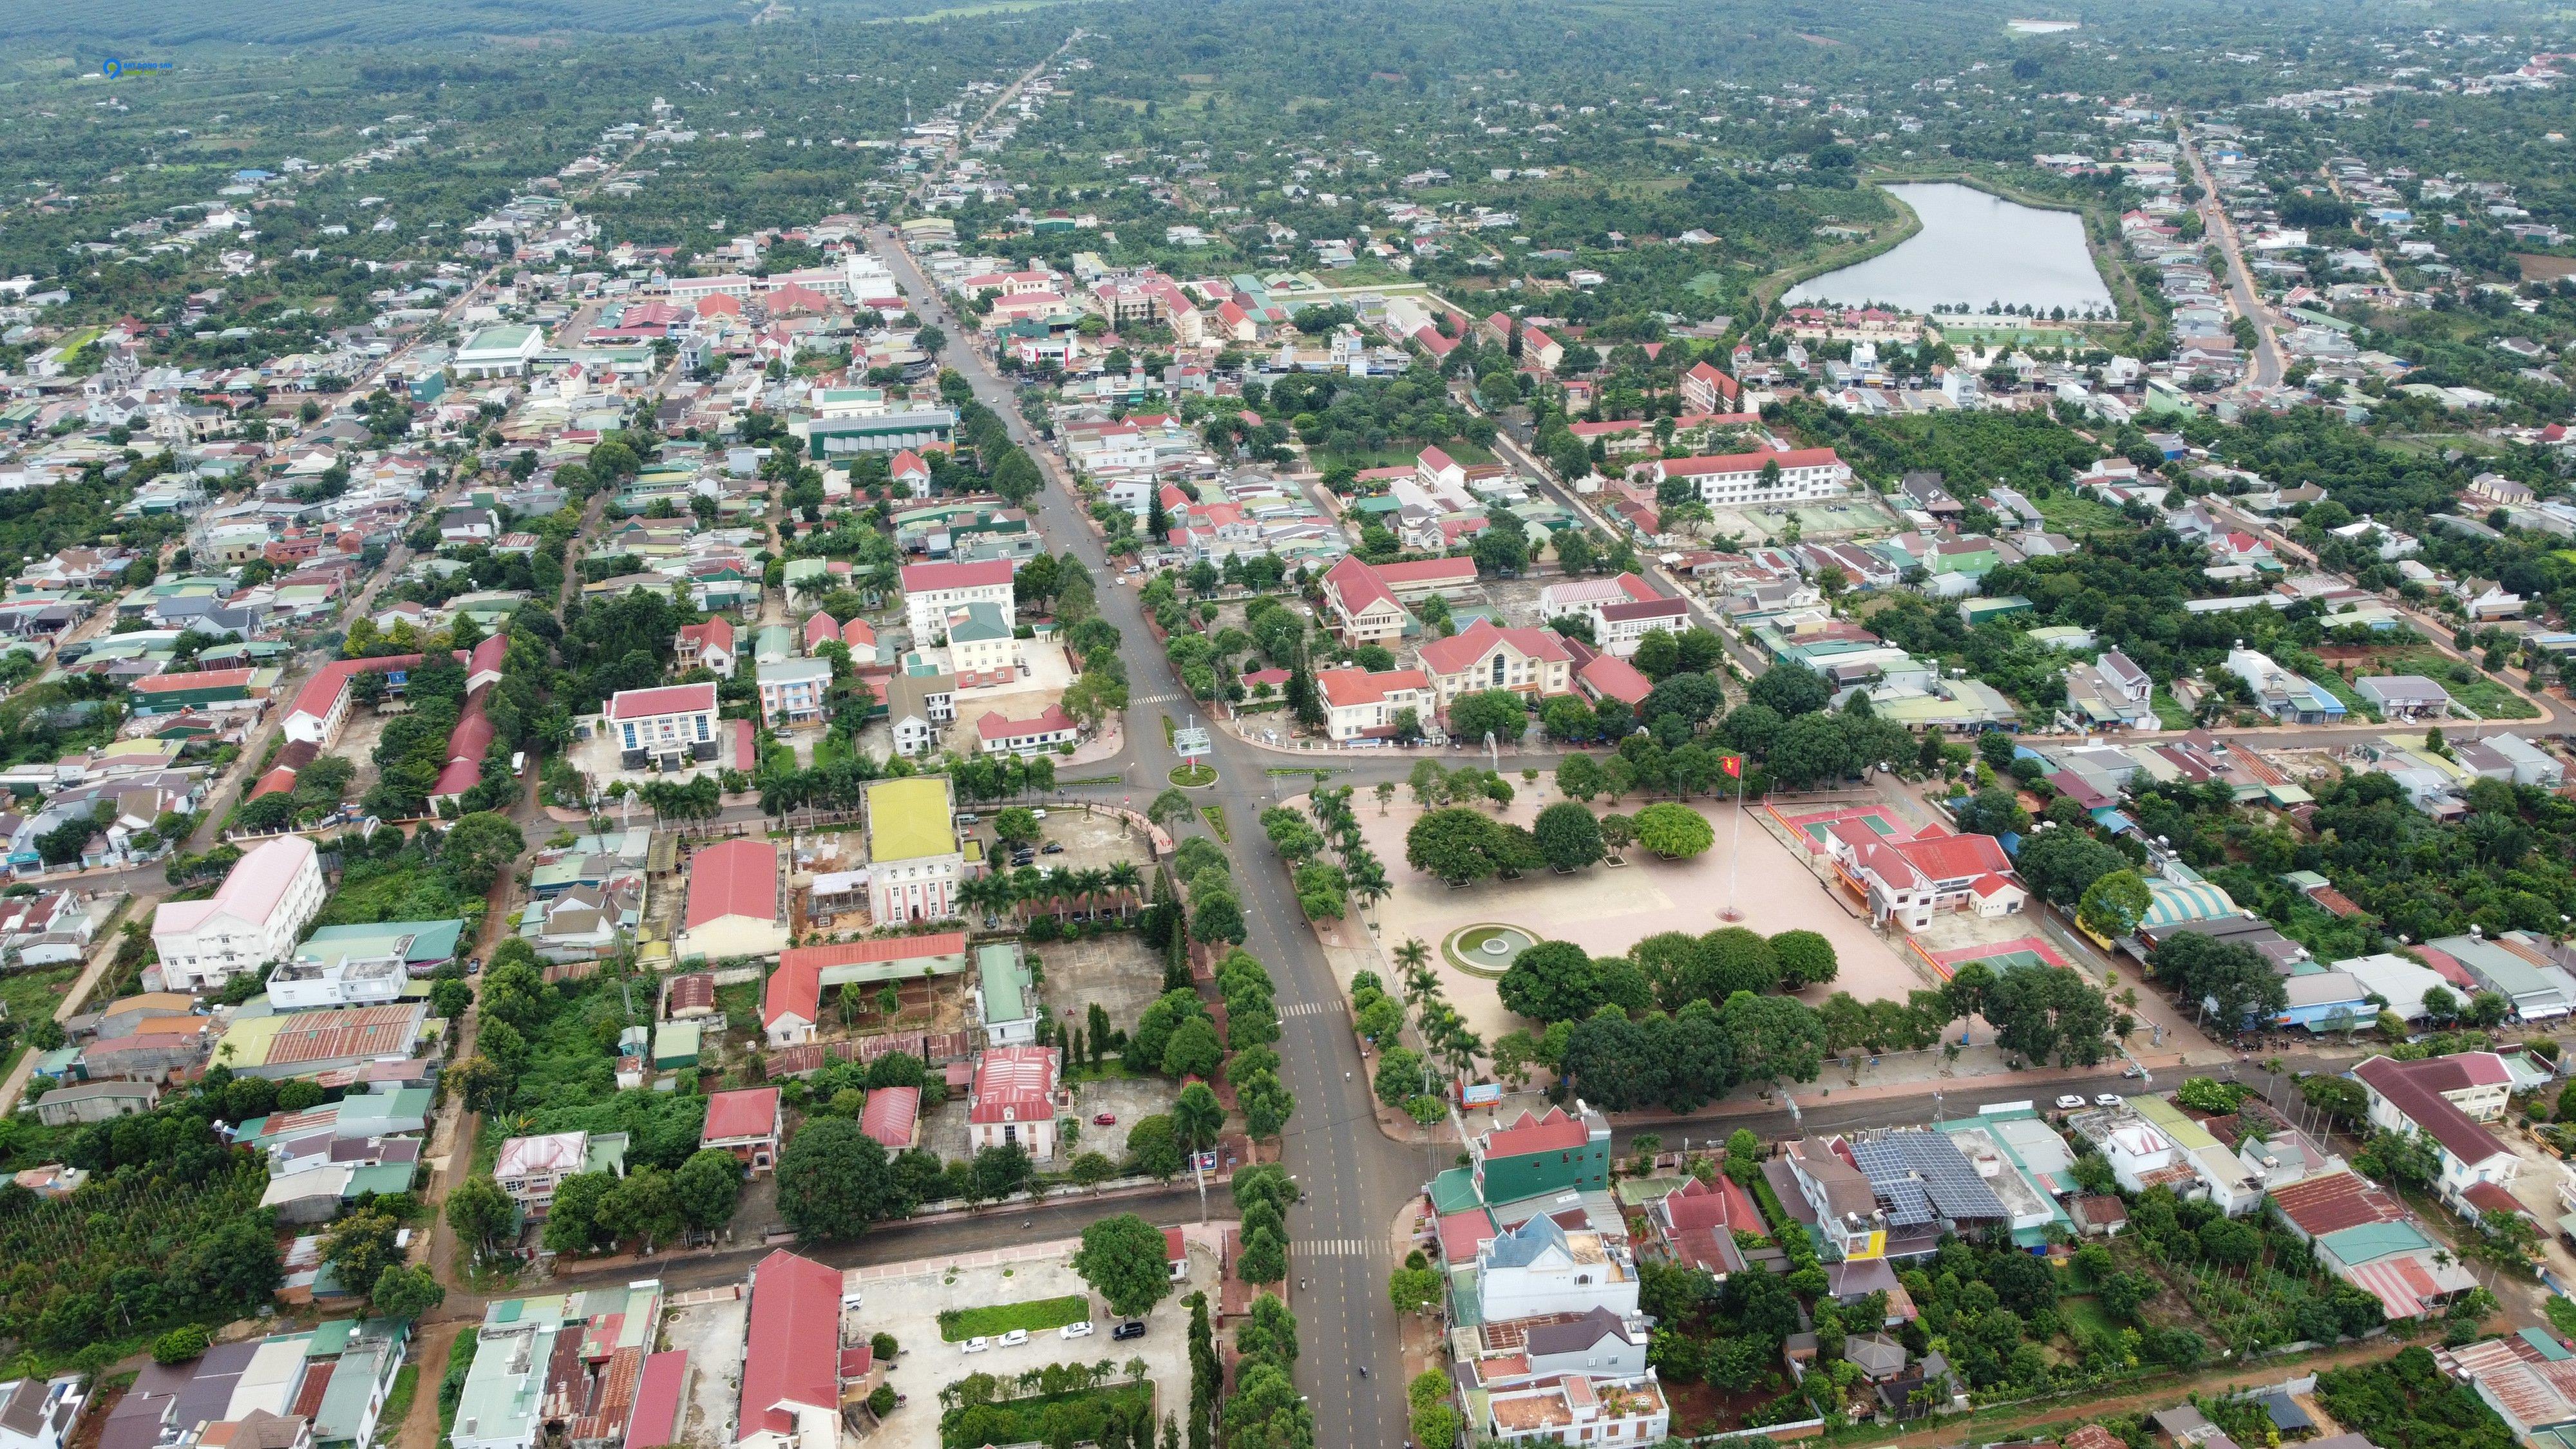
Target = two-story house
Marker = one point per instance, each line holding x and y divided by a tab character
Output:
529	1169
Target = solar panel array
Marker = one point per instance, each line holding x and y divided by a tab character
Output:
1923	1177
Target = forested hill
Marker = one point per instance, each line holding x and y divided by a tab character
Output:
144	29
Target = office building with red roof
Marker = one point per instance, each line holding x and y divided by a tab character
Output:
1532	662
932	591
1366	704
1908	882
672	724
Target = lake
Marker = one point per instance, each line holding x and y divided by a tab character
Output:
1974	249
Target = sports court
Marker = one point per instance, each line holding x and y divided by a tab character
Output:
1814	823
1999	956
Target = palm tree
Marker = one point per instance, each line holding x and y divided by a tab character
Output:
1091	885
1368	881
1413	959
989	894
1125	879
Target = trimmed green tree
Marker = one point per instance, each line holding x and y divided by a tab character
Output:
1123	1259
1675	832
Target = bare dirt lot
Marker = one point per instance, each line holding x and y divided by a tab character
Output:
1120	972
712	1333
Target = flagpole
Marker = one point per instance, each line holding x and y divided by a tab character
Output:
1735	849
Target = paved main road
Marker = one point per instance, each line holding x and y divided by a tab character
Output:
1356	1181
2265	369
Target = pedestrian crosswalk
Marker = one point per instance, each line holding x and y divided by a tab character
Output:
1305	1008
1164	698
1348	1248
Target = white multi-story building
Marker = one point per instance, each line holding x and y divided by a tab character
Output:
672	723
1735	480
252	920
931	591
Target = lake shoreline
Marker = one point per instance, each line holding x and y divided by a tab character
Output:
1971	237
1908	224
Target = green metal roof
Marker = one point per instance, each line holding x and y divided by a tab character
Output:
997	969
2372	1241
1455	1191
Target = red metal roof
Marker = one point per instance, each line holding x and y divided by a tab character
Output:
321	694
888	948
629	704
2333	1202
931	576
1746	462
655	1419
1014	1084
792	1344
737	878
890	1116
747	1112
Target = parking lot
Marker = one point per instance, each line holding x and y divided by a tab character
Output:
906	1299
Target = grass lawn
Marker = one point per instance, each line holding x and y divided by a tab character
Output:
2085	1312
2490	699
398	1401
1193	776
2352	700
960	1324
829	748
1215	816
32	996
2070	512
2169	714
1396	454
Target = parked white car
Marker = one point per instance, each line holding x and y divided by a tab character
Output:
975	1345
1014	1338
2070	1103
2107	1099
1075	1330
